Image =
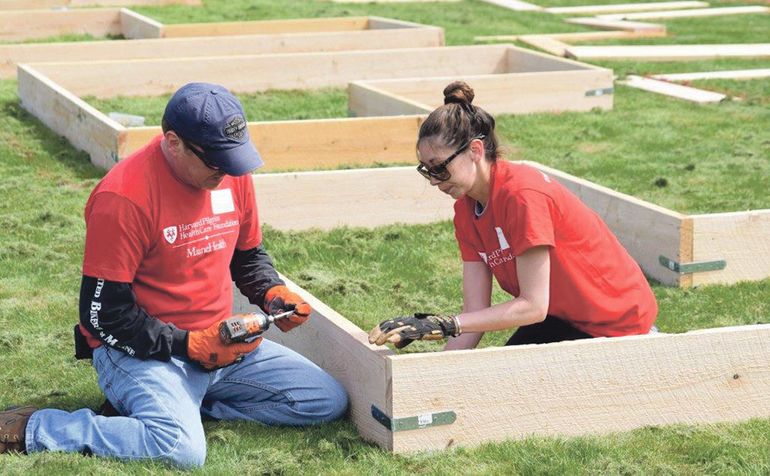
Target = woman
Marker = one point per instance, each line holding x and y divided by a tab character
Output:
569	276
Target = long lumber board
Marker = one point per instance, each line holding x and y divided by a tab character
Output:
358	198
674	90
264	27
585	387
319	143
670	52
700	12
577	37
625	25
66	114
18	25
50	4
254	73
546	91
732	74
741	239
342	349
11	55
515	5
625	8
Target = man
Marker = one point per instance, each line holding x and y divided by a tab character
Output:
168	230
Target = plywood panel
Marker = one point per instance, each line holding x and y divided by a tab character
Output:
594	386
742	239
339	347
647	231
261	72
360	197
28	24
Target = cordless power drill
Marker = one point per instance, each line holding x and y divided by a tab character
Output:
247	327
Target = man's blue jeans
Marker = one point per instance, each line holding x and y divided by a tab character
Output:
164	402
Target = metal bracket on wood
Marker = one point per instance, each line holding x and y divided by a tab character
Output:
418	422
599	92
694	267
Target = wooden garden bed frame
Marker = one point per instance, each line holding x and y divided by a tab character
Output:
49	4
21	25
51	91
363	33
537	83
434	401
673	248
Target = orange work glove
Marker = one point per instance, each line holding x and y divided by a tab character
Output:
206	347
280	299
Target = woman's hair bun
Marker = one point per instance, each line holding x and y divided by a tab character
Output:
458	92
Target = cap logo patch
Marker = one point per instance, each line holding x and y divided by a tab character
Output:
235	128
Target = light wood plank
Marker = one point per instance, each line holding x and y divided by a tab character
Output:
29	24
366	100
515	5
625	25
134	26
342	349
740	238
670	52
674	90
320	143
10	55
86	128
587	387
395	1
700	12
279	71
546	43
547	91
734	74
582	36
263	27
624	7
645	230
360	197
50	4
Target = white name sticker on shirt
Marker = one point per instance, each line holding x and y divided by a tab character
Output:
222	201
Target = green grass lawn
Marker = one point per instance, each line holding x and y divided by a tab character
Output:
714	158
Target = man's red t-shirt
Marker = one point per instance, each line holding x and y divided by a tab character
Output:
595	285
171	241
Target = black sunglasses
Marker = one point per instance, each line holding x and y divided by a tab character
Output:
440	172
200	154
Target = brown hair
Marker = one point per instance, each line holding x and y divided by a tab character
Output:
458	121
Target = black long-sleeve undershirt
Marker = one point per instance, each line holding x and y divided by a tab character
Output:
109	312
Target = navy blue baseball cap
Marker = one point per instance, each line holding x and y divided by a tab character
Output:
209	116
